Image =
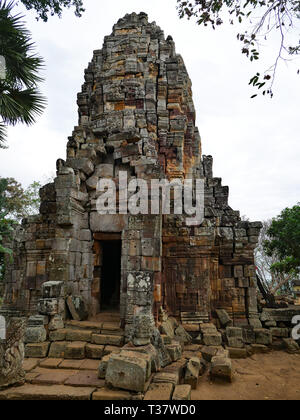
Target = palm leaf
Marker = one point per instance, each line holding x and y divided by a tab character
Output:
20	100
2	136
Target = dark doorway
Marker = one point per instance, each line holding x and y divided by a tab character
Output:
110	276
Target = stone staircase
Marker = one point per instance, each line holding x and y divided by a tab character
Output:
79	340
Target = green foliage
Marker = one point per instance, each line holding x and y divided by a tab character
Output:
15	204
44	8
20	100
284	241
17	201
263	18
6	226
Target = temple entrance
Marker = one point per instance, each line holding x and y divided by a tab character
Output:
107	272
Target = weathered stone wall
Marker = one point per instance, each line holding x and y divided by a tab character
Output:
136	115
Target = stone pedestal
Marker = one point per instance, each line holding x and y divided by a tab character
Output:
12	353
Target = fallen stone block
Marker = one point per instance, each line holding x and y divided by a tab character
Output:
221	368
280	332
192	372
102	368
178	368
234	337
167	328
263	336
150	350
182	393
37	350
175	351
159	392
77	308
208	353
129	373
255	323
166	377
208	328
143	356
224	318
248	335
259	349
236	353
212	339
182	336
291	346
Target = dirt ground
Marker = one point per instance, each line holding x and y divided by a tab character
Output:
273	376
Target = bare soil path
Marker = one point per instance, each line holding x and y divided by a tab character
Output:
273	376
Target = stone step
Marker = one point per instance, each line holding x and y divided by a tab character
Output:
53	392
76	350
93	326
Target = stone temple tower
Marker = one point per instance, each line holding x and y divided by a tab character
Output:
136	115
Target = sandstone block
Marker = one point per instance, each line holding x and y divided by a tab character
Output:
77	308
224	318
159	392
175	351
35	335
291	346
182	393
57	349
102	368
58	335
192	372
208	353
75	350
237	353
112	340
78	335
36	350
56	323
221	368
263	336
212	339
129	373
234	337
93	351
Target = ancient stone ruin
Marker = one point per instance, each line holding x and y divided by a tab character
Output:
136	115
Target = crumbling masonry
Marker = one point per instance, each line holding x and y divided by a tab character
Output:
136	114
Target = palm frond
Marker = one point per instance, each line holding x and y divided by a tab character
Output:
2	136
21	105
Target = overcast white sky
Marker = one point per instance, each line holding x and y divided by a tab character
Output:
254	142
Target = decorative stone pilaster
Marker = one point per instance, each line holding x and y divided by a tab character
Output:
12	352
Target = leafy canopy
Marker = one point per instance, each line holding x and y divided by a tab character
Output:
20	100
53	7
263	17
284	241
